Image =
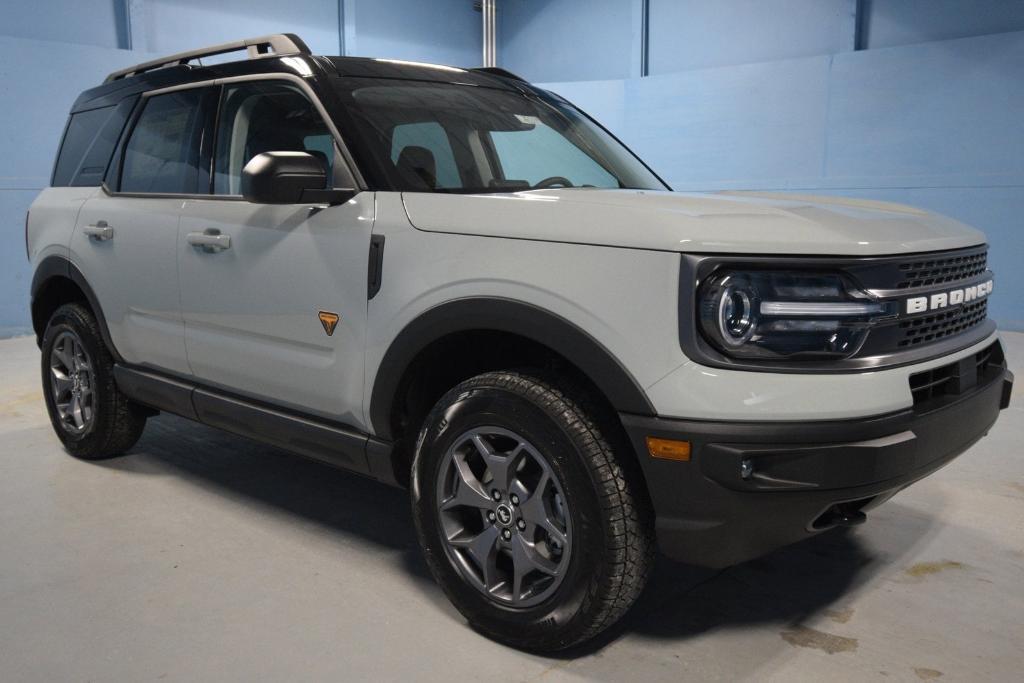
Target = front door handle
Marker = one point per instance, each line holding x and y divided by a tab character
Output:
210	240
99	231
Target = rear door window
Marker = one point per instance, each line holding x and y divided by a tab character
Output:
163	152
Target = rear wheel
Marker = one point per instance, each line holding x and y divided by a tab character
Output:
537	531
91	417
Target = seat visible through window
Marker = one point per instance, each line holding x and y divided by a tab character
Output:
265	117
418	166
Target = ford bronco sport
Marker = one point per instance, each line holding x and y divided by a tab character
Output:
452	280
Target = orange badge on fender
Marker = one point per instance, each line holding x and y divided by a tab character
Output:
329	321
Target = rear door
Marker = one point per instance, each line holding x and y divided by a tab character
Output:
126	237
277	310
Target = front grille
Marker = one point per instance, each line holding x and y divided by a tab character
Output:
934	386
935	327
925	272
901	277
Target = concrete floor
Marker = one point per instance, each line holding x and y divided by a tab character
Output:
202	556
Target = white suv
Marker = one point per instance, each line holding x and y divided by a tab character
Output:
452	280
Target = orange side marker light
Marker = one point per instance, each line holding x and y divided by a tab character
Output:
668	449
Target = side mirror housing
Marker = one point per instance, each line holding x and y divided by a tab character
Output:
289	178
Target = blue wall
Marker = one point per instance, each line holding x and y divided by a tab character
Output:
903	22
694	34
54	49
576	40
439	31
168	26
569	39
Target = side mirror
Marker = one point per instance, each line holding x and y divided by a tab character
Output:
289	178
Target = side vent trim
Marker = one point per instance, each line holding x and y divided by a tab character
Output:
375	270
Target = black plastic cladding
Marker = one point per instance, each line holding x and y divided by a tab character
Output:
882	276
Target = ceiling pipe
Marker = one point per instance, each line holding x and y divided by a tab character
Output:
488	8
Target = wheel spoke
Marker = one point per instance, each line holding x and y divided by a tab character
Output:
525	560
483	548
62	356
536	511
553	531
469	491
76	412
532	507
61	382
500	465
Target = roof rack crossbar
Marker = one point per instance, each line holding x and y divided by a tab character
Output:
264	46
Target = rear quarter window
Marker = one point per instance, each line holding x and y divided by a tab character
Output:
88	145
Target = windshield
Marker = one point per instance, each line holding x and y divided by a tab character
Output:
440	137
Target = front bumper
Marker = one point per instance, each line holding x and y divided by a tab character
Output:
800	478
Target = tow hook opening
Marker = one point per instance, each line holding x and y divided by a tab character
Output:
842	514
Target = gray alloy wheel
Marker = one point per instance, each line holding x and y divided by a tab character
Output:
72	383
503	517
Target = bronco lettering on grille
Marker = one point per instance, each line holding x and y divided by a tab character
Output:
954	297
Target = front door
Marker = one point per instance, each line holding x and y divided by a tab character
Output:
275	307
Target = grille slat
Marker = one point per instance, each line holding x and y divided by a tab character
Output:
946	324
927	272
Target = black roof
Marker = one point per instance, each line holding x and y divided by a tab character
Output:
113	91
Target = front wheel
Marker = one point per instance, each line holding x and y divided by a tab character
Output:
535	528
90	415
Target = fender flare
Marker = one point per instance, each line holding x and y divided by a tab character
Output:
502	315
59	266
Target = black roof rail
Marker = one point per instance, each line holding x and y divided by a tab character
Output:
265	46
498	71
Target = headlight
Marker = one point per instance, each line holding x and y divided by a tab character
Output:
786	315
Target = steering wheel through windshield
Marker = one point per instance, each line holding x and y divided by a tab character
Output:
553	181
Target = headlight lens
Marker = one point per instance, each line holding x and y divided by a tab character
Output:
786	315
735	315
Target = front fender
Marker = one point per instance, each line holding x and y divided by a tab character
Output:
503	315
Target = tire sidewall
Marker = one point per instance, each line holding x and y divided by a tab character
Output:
498	407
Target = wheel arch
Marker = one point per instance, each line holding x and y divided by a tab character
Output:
534	325
58	281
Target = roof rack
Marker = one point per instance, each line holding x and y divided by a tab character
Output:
264	46
498	71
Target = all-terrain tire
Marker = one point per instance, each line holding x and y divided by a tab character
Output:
114	422
609	511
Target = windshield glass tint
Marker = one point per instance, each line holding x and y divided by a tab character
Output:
438	137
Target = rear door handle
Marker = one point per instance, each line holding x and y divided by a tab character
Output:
99	231
210	240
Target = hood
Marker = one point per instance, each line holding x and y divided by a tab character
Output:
724	222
